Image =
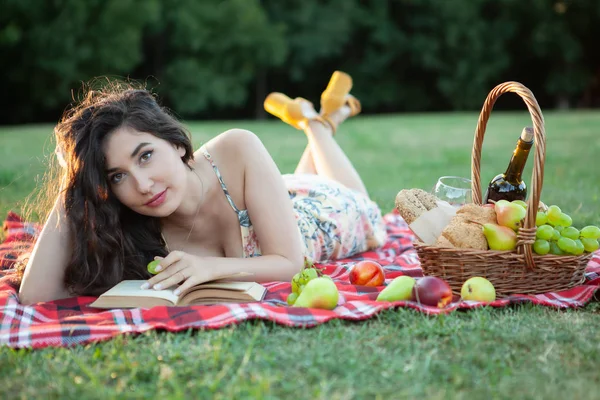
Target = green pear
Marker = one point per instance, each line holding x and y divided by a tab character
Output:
510	214
521	203
318	293
400	289
500	237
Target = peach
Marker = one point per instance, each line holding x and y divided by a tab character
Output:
367	273
432	291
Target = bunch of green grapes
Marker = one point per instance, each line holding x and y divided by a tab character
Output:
556	235
300	280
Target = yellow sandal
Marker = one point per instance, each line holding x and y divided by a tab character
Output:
336	95
296	112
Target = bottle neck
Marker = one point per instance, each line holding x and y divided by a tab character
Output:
515	168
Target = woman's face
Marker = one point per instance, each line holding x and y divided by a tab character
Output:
145	173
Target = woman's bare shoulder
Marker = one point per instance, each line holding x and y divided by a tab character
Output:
231	145
231	152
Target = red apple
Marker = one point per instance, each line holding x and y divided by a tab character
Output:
367	273
432	291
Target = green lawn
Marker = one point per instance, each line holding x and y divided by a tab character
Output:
520	352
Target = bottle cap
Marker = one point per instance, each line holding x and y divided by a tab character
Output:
527	134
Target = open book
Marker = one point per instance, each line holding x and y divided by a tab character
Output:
127	294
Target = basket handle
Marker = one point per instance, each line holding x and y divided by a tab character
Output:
526	234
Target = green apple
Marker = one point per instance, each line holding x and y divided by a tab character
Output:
400	289
478	289
318	293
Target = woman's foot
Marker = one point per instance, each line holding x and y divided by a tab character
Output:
297	112
337	103
349	108
334	96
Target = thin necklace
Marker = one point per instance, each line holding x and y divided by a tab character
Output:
195	218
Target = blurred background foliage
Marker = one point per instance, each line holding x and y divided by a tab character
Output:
213	59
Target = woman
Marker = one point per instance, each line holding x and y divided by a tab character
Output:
133	190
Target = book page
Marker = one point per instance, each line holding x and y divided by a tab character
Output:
131	288
219	284
233	291
127	294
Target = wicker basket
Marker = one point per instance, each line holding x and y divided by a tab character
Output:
510	272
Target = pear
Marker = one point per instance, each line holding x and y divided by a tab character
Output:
500	237
510	214
521	203
400	289
318	293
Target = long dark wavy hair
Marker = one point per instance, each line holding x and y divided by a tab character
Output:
110	241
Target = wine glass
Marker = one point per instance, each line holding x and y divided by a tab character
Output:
453	189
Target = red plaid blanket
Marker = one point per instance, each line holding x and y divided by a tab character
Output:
69	322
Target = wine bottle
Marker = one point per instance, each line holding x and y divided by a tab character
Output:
509	185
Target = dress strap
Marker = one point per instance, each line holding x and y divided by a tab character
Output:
218	173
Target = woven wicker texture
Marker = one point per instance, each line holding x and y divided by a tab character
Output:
522	271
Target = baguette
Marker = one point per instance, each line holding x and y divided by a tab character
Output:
411	203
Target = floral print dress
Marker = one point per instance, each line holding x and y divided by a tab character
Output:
334	221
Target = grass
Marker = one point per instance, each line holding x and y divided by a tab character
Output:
522	351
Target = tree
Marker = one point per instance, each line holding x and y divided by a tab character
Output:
558	40
206	54
54	45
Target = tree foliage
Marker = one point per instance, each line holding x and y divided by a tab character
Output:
211	51
48	47
221	57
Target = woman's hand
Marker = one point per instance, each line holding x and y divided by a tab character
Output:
178	267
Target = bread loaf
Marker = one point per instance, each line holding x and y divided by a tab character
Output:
465	235
462	232
411	203
481	214
443	242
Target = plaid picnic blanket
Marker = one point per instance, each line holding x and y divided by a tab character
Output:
71	322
